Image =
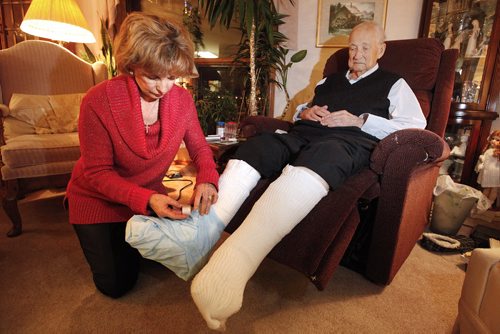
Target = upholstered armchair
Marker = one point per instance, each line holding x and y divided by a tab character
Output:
41	86
478	310
372	222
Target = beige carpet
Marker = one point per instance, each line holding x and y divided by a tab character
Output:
47	288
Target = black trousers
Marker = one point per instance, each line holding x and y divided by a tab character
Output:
113	262
333	153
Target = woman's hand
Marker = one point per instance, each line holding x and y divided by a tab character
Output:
165	206
205	194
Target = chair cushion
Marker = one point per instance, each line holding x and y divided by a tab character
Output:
32	150
418	59
53	168
45	113
12	127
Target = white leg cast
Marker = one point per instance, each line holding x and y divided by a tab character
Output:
235	184
218	289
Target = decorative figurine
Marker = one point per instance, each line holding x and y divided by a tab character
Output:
488	169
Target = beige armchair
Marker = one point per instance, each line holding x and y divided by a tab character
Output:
479	305
41	86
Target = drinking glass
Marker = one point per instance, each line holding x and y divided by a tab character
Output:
230	131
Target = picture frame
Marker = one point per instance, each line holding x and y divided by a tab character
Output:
336	18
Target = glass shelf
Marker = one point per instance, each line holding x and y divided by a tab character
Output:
458	138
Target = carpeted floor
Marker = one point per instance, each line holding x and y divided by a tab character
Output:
47	288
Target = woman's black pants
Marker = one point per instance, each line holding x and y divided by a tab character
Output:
113	262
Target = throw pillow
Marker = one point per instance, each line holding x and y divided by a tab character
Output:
47	113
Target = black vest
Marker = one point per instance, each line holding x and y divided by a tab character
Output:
368	95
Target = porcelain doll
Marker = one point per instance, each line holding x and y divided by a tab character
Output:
488	168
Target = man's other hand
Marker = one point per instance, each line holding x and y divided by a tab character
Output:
341	118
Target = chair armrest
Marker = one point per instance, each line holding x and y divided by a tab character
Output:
408	163
100	72
254	125
4	111
477	307
405	149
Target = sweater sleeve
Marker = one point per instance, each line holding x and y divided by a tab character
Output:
97	157
198	148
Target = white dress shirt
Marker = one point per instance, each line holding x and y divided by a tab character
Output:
404	109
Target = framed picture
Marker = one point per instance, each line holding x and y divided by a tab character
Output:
336	18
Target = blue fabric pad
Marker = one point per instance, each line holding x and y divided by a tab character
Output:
180	245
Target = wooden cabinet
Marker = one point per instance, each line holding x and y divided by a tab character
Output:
472	27
11	15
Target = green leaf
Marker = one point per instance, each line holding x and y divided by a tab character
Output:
89	53
241	10
299	56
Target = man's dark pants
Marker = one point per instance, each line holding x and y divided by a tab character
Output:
333	153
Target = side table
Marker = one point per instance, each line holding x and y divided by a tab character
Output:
222	152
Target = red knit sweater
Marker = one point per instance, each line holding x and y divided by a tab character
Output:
120	167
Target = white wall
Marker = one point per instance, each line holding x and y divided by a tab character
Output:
402	22
94	10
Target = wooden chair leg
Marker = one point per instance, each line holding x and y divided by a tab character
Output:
9	204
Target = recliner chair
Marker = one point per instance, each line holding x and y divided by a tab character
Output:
392	198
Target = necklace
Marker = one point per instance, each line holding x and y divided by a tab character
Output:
149	112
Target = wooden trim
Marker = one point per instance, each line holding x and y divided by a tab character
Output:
219	61
493	103
425	18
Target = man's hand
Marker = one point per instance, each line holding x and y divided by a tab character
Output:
164	206
315	113
205	194
341	118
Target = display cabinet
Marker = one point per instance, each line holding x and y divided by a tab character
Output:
466	134
472	27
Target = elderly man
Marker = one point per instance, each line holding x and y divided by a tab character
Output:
329	141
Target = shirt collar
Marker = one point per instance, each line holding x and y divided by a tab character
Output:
367	73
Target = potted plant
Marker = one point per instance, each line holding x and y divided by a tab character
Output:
282	67
106	55
261	40
215	106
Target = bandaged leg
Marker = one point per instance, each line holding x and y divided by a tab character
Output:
218	289
183	245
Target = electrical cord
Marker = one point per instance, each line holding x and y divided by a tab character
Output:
167	178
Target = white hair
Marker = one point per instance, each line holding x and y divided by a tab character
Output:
371	25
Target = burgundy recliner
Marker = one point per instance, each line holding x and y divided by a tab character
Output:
373	221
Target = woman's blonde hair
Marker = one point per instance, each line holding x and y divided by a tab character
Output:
153	44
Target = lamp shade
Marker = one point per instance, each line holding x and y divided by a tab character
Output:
60	20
